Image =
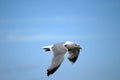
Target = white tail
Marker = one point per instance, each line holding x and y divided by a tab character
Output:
47	48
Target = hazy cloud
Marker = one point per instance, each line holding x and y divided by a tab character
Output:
43	37
46	19
108	5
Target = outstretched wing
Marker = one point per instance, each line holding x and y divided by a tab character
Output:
73	54
58	57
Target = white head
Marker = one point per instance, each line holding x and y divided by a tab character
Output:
71	45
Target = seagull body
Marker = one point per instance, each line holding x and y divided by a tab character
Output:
59	50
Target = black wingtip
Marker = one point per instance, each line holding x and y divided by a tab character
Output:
73	60
50	72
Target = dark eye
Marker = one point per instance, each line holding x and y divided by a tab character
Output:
75	44
65	45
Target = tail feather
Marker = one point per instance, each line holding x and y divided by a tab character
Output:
47	48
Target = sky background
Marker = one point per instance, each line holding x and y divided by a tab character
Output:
27	25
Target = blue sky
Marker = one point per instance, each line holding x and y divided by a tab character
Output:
26	26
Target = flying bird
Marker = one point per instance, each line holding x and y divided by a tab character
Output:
59	50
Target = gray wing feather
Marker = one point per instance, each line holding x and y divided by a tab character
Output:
56	62
73	55
58	57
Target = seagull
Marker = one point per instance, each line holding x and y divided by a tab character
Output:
59	50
